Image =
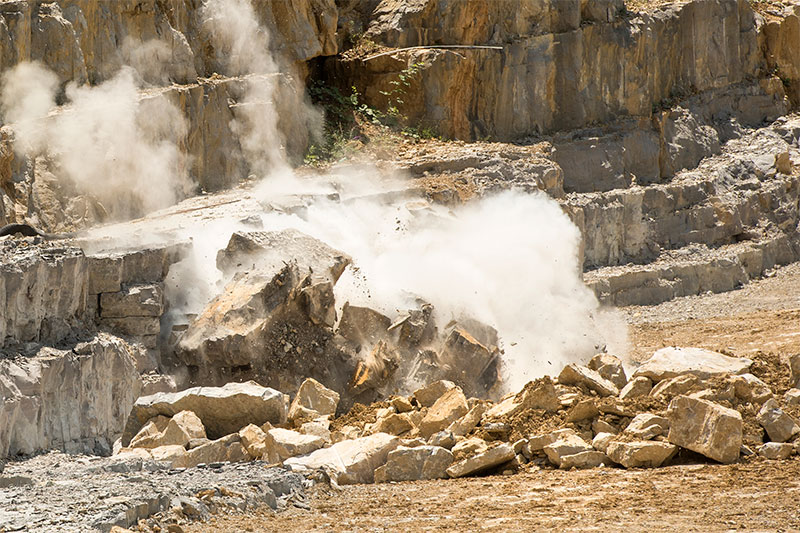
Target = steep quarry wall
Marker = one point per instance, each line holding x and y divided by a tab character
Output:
561	65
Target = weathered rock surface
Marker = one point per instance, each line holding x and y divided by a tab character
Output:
349	461
426	396
640	454
587	459
751	389
668	388
409	464
671	362
565	445
538	394
775	450
705	427
223	410
780	426
74	400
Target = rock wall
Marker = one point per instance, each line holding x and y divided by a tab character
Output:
563	65
76	400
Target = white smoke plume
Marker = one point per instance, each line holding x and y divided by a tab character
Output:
242	45
107	140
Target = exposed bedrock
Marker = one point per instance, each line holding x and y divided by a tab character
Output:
560	66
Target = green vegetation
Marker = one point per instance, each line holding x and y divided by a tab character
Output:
347	117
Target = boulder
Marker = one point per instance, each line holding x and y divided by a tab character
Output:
350	461
254	440
574	374
222	410
566	444
537	394
178	430
485	460
640	454
313	400
444	439
319	428
609	367
646	426
587	459
470	354
636	387
410	464
362	325
601	426
780	426
672	361
536	443
794	366
451	406
282	444
146	436
749	388
705	427
427	396
671	387
775	450
228	448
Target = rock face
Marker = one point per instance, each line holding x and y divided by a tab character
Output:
74	400
223	410
558	66
705	427
280	305
671	362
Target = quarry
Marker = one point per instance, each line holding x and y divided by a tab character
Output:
359	265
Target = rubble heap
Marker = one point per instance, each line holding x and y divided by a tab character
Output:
683	404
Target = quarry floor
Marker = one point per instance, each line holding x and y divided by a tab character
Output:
753	495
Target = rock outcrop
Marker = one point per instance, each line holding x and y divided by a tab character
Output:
74	399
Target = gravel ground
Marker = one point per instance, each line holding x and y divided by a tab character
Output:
56	492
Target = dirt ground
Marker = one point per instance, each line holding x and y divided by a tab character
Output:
755	495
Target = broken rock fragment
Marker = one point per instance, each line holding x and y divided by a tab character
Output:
636	387
349	461
537	394
451	406
566	444
705	427
282	444
574	374
780	426
609	367
426	396
640	454
313	400
646	426
485	460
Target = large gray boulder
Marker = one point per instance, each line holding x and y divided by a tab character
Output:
223	410
672	361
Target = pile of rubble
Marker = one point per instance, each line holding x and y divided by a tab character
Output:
680	399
